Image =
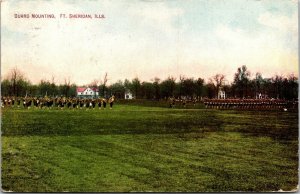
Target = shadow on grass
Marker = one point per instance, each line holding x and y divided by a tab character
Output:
278	125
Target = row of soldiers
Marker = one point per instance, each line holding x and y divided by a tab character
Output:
183	101
250	104
60	102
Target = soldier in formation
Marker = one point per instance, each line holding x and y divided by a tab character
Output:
248	104
111	101
58	102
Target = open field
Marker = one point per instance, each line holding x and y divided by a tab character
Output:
136	148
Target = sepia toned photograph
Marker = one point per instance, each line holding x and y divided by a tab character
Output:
149	96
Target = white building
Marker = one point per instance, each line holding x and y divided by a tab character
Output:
221	94
128	95
87	92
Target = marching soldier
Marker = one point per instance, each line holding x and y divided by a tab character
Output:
69	103
173	102
93	103
18	102
104	101
184	102
81	103
194	101
111	101
99	103
2	101
170	102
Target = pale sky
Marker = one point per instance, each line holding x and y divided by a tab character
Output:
149	38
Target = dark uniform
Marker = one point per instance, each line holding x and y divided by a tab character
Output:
111	101
104	102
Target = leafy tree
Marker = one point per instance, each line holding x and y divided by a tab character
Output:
72	90
45	88
277	86
241	81
284	87
259	81
135	87
199	87
291	88
210	90
117	89
180	85
5	87
67	89
217	81
156	86
167	87
33	90
189	87
127	84
147	90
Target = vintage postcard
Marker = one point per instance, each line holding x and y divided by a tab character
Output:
149	96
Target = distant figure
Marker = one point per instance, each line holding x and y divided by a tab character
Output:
104	102
99	103
90	104
184	102
194	101
111	101
171	102
18	102
75	103
81	103
93	103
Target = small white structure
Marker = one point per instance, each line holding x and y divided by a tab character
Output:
258	96
221	94
261	96
87	92
128	95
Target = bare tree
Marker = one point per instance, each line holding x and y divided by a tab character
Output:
67	86
17	82
15	77
217	80
181	78
105	79
103	83
241	81
94	83
53	86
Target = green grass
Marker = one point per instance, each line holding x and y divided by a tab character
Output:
136	148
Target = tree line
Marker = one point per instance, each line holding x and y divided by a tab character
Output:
243	86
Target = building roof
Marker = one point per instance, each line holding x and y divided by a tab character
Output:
82	89
95	89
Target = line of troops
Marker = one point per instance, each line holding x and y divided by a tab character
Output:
60	102
173	101
250	104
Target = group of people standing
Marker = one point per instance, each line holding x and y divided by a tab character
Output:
256	104
59	102
234	103
183	101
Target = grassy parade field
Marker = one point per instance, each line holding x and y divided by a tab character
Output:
144	148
